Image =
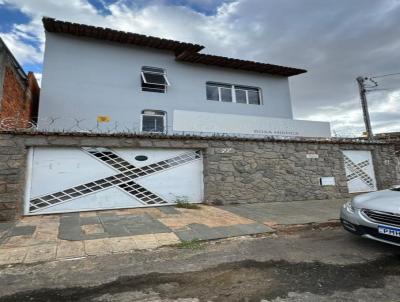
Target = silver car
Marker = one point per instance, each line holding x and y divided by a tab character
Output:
374	215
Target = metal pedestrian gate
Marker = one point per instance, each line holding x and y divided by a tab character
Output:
81	179
359	171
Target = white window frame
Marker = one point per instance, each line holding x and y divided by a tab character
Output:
160	72
156	113
233	92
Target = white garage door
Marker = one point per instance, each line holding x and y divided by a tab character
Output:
80	179
359	171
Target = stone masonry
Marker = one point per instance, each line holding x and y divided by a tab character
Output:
236	170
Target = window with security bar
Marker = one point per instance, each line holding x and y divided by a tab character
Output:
233	93
153	121
154	79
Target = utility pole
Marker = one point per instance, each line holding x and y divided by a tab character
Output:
364	105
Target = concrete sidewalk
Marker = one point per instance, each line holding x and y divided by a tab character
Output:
65	236
278	214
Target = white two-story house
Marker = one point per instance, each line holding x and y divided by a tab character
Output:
99	79
103	80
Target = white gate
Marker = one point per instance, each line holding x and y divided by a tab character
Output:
359	171
81	179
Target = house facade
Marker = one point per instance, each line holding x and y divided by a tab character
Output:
105	93
105	80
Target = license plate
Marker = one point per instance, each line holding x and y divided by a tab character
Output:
391	231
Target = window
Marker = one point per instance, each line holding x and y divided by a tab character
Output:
233	93
153	121
154	79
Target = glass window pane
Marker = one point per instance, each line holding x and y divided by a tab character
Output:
159	124
212	93
154	78
240	96
254	97
226	94
148	123
153	123
153	88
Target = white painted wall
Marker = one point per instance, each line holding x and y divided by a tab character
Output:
209	123
85	78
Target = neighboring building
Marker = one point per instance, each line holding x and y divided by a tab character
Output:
19	92
108	80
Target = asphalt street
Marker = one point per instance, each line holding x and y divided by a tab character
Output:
311	265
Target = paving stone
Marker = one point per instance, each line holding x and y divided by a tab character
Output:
87	214
89	220
205	232
144	224
187	235
70	233
70	249
13	255
22	230
115	229
298	212
123	244
255	228
4	226
18	241
113	218
71	215
44	236
167	238
98	247
147	241
43	252
229	231
92	229
143	229
169	210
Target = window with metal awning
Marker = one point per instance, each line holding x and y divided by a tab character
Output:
154	79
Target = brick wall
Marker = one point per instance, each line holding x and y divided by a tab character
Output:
235	170
20	98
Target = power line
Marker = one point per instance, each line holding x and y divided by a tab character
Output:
385	75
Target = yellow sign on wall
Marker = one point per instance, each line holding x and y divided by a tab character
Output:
103	119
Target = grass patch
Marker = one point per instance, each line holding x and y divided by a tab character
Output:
187	205
193	244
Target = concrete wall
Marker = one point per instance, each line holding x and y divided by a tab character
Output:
235	170
85	78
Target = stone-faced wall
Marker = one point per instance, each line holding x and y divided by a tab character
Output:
235	170
281	171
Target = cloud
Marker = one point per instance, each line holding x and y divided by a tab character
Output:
38	77
335	40
347	119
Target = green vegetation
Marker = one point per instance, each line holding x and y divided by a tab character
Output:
193	244
182	202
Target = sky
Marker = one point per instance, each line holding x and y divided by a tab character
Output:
335	40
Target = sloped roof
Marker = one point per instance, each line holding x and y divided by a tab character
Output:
184	52
112	35
238	64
